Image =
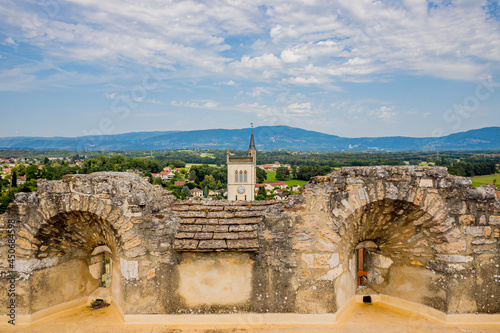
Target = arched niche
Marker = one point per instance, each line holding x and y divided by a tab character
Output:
79	242
390	246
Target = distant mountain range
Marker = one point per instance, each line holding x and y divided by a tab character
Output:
266	138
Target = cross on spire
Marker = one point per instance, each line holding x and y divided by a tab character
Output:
252	141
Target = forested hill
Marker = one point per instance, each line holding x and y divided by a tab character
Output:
266	138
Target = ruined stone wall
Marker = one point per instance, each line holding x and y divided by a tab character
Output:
436	236
433	239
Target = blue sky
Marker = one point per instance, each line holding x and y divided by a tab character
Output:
348	68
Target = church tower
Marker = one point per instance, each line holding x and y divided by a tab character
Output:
241	174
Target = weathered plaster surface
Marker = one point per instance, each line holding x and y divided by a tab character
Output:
213	280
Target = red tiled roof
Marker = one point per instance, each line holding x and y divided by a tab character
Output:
273	183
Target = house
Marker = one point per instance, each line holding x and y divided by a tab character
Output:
265	166
167	169
488	186
266	186
295	188
280	196
164	175
272	184
79	163
275	166
21	180
221	191
179	182
196	192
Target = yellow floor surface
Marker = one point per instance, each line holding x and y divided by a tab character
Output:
361	318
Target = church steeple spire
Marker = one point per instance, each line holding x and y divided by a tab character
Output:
252	142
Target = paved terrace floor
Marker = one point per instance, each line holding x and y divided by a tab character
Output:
362	318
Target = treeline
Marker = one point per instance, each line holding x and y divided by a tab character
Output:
303	172
465	169
332	159
198	173
120	163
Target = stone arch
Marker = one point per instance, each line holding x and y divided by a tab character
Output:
60	225
393	225
63	217
73	233
406	214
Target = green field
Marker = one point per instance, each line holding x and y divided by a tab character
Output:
271	176
487	179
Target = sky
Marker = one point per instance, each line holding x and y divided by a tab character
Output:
350	68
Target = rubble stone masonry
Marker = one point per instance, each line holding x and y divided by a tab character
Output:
428	238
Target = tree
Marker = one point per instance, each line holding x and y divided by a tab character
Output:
192	175
205	192
494	181
186	191
261	175
260	197
157	180
262	191
209	182
14	179
219	185
31	172
19	169
282	173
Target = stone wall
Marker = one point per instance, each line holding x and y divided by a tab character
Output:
429	238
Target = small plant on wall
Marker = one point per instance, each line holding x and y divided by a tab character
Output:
98	304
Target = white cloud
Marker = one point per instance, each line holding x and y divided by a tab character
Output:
228	83
299	108
10	41
366	109
384	113
210	105
292	42
196	104
154	101
258	91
